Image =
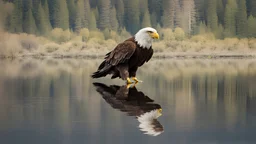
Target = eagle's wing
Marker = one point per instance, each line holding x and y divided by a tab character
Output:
121	54
150	55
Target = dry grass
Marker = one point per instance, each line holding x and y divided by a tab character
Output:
93	43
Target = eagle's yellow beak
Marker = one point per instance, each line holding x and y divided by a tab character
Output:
154	35
159	111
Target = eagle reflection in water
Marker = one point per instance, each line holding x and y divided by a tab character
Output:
134	103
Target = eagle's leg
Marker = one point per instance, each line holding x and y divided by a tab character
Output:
133	74
124	73
128	81
136	80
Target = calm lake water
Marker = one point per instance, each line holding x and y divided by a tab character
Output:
54	101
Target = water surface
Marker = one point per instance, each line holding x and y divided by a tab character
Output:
54	101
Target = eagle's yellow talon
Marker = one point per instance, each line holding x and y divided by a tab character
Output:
128	86
128	81
136	80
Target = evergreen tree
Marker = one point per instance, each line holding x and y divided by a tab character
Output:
155	9
251	26
16	17
188	16
168	13
230	18
29	25
113	19
146	22
87	13
104	13
212	19
220	11
120	12
59	14
43	21
153	19
143	6
132	15
79	22
72	13
241	19
34	8
96	14
202	28
47	14
92	22
177	14
252	7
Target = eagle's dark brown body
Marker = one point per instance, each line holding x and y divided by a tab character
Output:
124	60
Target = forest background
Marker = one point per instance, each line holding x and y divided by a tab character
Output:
93	27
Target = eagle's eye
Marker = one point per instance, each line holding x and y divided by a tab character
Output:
150	32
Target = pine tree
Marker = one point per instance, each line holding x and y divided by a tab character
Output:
132	15
29	25
168	13
113	19
153	19
59	14
202	28
212	19
16	17
230	18
87	13
188	16
92	22
177	14
34	9
201	10
252	7
43	21
79	22
241	19
220	11
104	13
251	26
146	22
120	12
96	14
155	9
72	13
47	15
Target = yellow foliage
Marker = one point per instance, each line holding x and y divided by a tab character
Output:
252	43
114	36
10	45
167	34
179	34
96	34
203	37
28	42
84	33
60	36
50	47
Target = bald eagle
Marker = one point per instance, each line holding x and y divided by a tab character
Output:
134	103
127	56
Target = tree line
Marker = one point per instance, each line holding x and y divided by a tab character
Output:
224	18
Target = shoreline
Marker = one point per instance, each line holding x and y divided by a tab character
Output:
174	55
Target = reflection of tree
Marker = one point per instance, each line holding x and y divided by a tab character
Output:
221	91
134	103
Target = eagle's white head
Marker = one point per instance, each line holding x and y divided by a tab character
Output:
149	124
145	36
